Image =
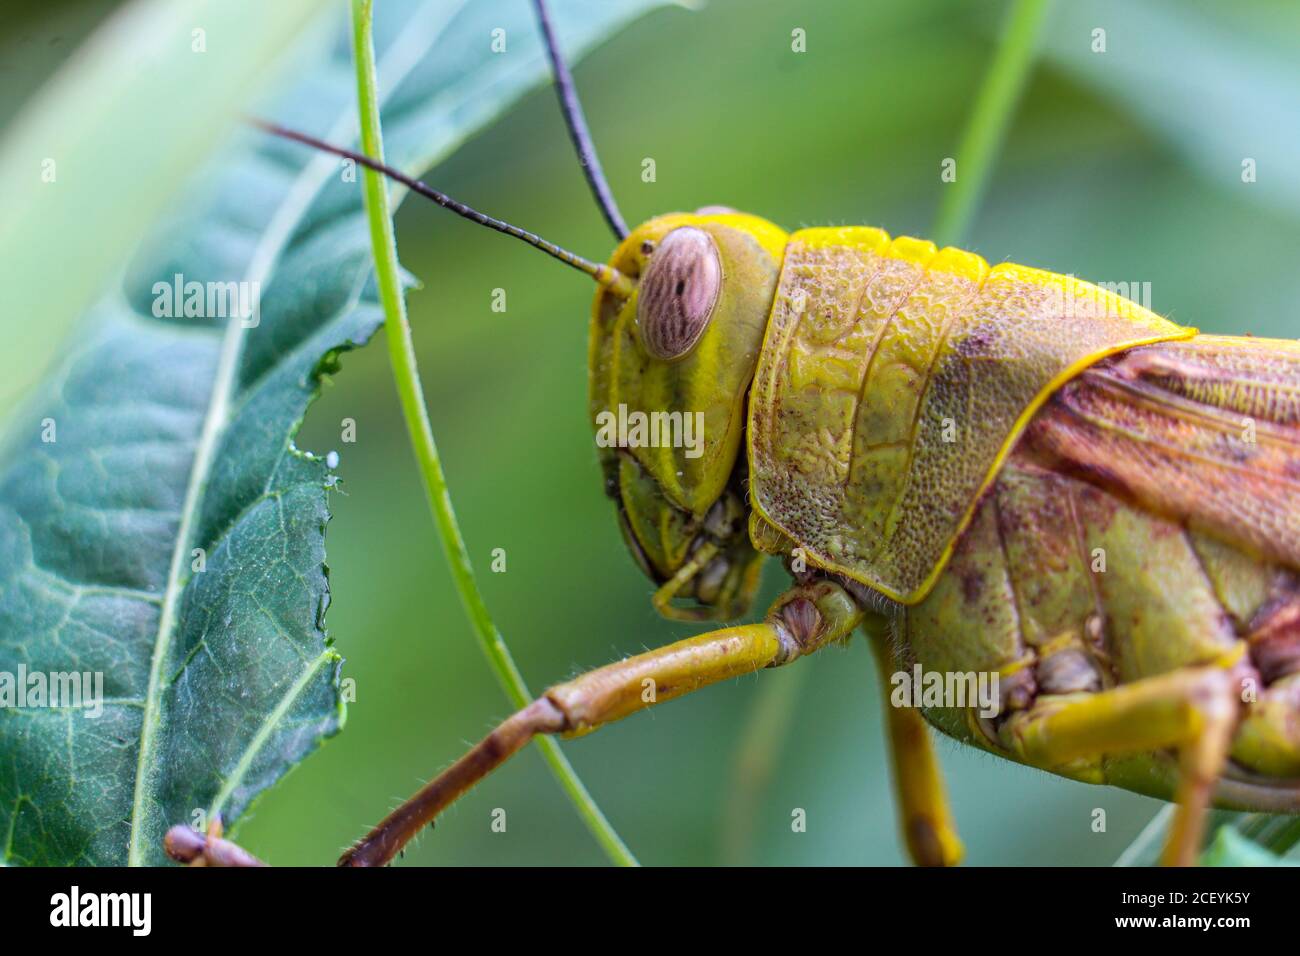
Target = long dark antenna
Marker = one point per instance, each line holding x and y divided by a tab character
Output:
577	123
603	274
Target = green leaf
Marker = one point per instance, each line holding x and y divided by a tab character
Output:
176	434
1226	832
139	104
1230	848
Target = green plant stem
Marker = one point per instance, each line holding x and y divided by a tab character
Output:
411	394
763	737
989	120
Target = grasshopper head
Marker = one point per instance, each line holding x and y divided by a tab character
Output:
670	368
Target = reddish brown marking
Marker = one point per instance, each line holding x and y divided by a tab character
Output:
803	619
1275	638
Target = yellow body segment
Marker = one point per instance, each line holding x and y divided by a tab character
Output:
893	381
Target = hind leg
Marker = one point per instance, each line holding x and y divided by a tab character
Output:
924	817
1194	710
1268	741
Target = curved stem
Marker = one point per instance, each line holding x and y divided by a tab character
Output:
765	732
989	120
406	375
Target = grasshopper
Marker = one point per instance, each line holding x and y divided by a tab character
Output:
996	472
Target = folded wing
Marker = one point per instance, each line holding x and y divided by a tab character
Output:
1205	431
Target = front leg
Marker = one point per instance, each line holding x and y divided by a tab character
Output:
1194	710
803	620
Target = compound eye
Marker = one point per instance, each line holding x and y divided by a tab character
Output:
678	292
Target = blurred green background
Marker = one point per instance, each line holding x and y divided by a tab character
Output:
1122	166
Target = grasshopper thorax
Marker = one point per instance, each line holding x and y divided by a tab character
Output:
670	370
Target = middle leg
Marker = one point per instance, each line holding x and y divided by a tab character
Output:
924	816
802	621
